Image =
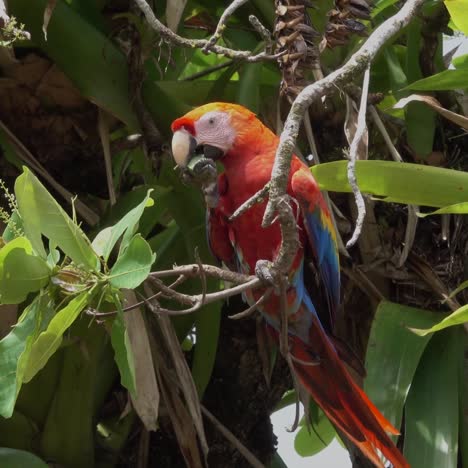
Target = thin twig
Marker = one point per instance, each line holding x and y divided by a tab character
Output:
253	200
243	450
103	129
253	308
361	130
228	12
264	33
208	71
170	36
210	270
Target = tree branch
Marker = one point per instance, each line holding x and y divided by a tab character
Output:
170	36
280	174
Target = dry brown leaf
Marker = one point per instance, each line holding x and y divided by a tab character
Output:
174	10
350	127
460	120
8	314
49	9
146	402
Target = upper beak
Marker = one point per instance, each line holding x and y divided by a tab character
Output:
184	146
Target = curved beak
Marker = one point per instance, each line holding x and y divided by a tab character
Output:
184	146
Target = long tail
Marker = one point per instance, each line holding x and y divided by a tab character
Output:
346	405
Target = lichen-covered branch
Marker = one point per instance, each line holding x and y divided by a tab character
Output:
170	36
280	174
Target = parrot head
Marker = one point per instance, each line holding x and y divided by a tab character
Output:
213	130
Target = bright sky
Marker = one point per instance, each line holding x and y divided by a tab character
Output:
334	456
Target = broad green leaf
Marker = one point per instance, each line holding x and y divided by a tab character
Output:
420	121
133	265
108	237
69	429
11	348
14	227
398	182
431	412
457	208
393	354
21	272
123	352
18	432
89	58
249	86
463	395
207	323
446	80
461	62
42	214
308	443
49	340
458	14
13	458
458	317
277	462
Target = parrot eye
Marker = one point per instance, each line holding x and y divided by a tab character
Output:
211	121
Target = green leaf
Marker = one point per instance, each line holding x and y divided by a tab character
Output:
457	208
92	61
49	340
392	356
11	348
446	80
108	237
18	432
21	272
207	323
42	214
461	62
123	352
13	458
133	265
457	10
431	413
321	434
69	429
277	461
458	317
397	182
249	86
420	121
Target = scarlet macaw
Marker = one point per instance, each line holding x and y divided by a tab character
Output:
246	149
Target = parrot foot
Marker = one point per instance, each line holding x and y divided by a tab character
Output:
204	174
265	271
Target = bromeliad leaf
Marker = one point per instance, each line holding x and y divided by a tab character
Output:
21	272
41	214
432	411
392	356
49	340
123	351
443	81
105	241
459	317
133	265
14	458
397	182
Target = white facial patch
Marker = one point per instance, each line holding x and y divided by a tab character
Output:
215	129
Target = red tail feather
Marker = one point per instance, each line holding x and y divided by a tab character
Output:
346	405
